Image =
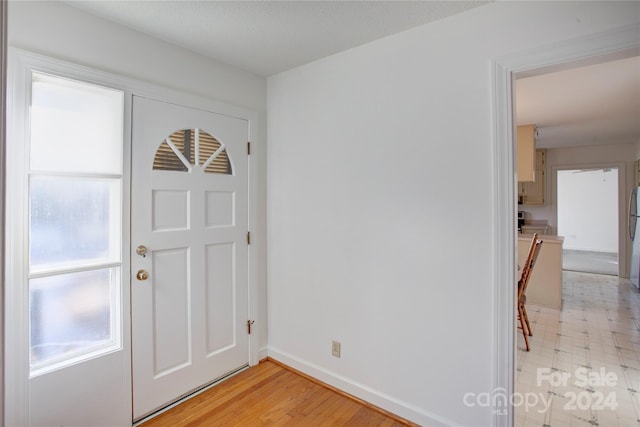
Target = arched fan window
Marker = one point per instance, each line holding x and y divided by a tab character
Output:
179	151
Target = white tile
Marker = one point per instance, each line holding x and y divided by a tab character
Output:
599	327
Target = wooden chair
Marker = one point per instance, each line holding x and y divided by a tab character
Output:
527	269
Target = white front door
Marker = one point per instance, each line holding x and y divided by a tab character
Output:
189	254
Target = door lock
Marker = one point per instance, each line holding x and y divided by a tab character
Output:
142	275
141	250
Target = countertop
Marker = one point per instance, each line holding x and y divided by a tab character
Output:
544	237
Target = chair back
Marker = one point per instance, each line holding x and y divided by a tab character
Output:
527	269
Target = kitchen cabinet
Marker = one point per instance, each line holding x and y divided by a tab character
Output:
533	193
525	141
545	284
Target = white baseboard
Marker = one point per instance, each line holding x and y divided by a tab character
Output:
377	398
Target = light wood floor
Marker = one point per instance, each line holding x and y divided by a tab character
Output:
270	394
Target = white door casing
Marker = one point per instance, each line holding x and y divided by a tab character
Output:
189	317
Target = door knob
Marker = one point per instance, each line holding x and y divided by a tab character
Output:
141	250
142	275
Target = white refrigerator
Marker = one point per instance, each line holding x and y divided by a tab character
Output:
634	234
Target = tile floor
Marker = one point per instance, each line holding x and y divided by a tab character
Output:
584	358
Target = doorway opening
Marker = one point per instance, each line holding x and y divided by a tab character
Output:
587	209
587	212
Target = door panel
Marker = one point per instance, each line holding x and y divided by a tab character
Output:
170	210
219	261
171	308
190	210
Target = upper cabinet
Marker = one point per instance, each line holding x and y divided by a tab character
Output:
526	153
532	193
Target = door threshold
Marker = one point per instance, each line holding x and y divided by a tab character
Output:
188	396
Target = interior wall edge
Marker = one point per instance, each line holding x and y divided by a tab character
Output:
3	92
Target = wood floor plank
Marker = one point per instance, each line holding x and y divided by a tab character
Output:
271	394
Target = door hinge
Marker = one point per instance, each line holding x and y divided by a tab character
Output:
249	148
248	237
249	323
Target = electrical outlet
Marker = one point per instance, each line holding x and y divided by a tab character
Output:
335	349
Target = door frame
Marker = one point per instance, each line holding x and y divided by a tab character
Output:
21	64
614	44
623	196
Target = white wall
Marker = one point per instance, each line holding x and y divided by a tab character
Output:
587	203
380	206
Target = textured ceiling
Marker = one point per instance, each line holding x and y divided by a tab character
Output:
266	37
595	104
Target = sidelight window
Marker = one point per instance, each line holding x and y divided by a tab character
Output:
75	221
